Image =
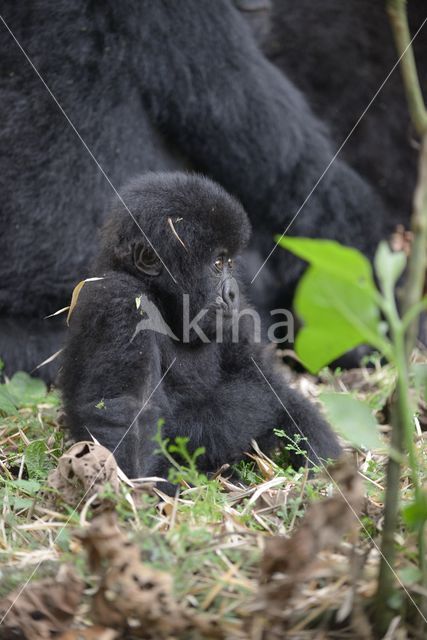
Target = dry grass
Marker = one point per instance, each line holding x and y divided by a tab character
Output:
211	538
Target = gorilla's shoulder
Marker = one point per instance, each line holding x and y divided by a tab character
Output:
108	296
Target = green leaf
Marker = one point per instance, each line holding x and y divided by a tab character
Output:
410	575
353	419
337	301
395	601
333	258
25	390
415	514
30	487
337	315
389	266
20	503
7	406
35	459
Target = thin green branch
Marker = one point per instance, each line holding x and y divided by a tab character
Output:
404	332
413	313
396	10
417	263
386	578
418	259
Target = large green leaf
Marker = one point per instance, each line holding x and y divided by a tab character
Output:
333	258
337	317
25	390
336	300
353	419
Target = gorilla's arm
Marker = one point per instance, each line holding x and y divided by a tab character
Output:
108	380
249	402
300	421
240	119
247	409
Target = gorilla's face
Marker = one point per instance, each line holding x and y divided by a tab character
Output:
227	288
207	291
181	242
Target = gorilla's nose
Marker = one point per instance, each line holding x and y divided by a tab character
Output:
230	294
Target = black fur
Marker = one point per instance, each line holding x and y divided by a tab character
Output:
339	54
150	85
213	392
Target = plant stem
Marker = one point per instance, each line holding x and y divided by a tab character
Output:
402	434
405	411
406	422
396	10
386	580
417	263
405	335
402	439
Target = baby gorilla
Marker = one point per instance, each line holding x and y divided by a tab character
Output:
157	337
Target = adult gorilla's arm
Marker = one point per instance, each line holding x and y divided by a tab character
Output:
235	115
109	381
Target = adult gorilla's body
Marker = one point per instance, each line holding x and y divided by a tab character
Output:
341	56
150	85
211	392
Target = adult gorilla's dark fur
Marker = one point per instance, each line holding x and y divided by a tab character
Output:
149	85
212	392
339	54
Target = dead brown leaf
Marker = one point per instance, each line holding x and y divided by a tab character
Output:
133	597
323	526
75	296
83	471
43	608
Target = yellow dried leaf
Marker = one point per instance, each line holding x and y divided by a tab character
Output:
76	293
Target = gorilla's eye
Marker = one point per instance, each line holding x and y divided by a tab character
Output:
230	263
219	263
146	261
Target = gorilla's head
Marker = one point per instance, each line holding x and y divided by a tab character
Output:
183	236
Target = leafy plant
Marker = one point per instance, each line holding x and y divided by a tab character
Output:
36	459
352	419
183	463
341	308
23	391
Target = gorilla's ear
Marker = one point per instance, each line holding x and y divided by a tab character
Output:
146	261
